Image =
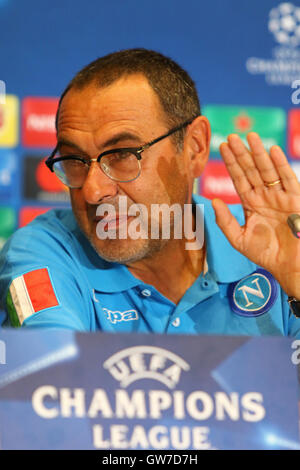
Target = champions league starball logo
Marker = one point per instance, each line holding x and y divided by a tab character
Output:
284	23
283	67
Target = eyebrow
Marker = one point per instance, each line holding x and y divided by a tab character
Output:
120	137
62	141
112	141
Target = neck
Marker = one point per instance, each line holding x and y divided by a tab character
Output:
172	270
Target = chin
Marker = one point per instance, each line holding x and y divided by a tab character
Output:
123	251
116	251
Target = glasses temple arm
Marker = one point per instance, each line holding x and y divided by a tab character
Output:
172	131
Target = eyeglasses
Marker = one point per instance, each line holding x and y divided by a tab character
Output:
121	164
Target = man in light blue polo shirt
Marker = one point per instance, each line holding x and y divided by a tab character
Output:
129	129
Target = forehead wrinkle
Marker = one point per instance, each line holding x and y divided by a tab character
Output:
103	112
134	92
117	131
110	117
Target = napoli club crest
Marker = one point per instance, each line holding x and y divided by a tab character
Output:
254	294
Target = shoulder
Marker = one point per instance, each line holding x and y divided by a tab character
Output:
60	221
42	275
49	242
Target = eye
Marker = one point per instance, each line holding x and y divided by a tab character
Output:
72	162
122	154
71	166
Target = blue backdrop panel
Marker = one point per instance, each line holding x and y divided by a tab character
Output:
243	56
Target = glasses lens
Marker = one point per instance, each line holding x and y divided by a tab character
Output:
71	172
121	166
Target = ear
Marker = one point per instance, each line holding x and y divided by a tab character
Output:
197	145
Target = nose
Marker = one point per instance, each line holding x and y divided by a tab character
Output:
98	186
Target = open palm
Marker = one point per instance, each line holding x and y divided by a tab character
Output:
266	238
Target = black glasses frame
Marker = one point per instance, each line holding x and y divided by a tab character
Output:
137	151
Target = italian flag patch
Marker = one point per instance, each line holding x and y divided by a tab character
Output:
28	294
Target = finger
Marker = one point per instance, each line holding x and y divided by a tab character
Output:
236	173
245	160
227	222
288	178
263	162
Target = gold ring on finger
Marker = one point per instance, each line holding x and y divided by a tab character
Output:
273	183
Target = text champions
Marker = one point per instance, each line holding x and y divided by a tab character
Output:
164	411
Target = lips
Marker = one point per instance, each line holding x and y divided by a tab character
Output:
112	222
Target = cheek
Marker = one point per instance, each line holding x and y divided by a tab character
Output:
78	203
173	178
75	198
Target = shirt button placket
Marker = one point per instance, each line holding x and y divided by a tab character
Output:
176	322
146	292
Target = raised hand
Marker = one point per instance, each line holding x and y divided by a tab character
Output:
269	191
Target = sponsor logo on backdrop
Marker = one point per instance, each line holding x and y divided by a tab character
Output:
243	122
7	223
216	182
40	184
28	213
9	119
8	174
269	123
294	133
283	67
38	122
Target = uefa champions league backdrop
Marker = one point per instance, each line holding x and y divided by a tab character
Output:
243	56
245	60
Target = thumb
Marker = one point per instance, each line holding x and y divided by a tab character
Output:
227	222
